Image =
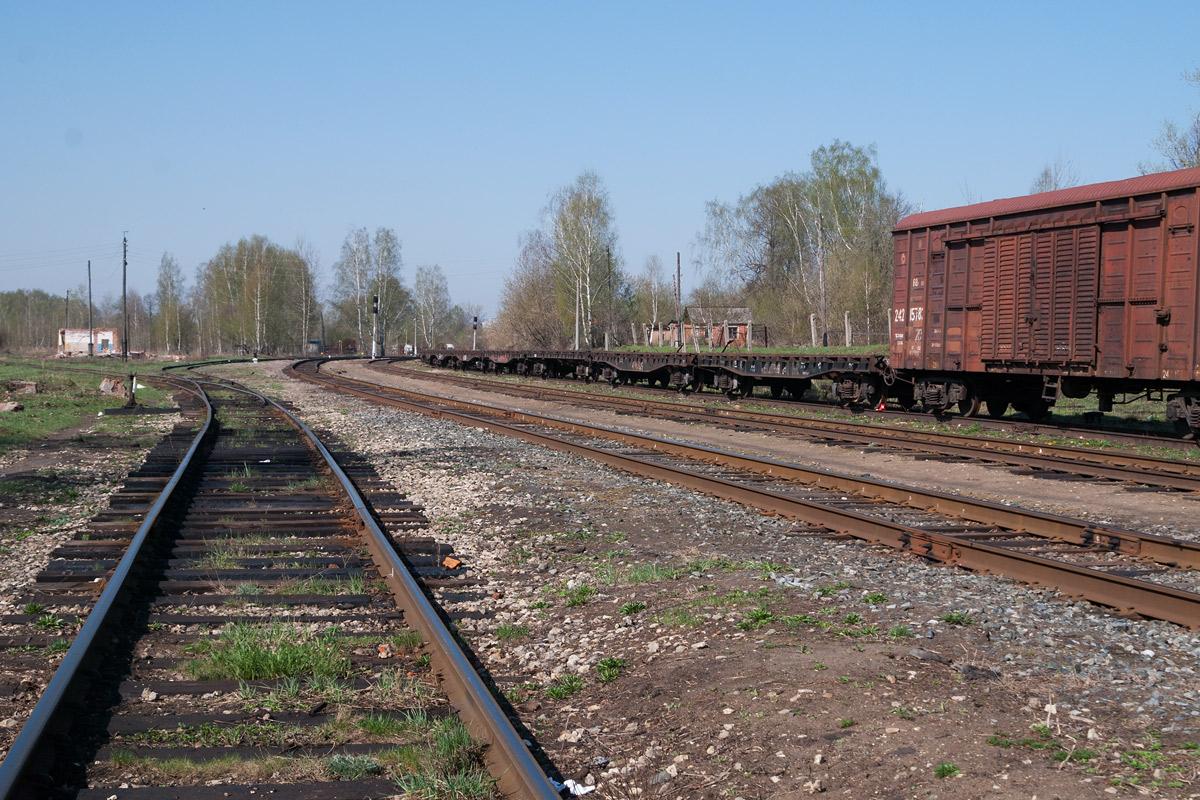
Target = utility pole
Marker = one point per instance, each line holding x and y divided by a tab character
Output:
474	329
678	301
91	330
67	312
374	324
124	294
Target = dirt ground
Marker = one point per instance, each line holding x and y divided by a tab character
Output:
661	643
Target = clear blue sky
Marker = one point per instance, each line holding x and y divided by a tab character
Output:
191	124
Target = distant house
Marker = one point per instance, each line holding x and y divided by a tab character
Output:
708	326
717	325
74	341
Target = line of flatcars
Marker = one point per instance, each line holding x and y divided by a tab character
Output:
1011	303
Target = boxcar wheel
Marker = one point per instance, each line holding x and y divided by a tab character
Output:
968	407
996	408
776	391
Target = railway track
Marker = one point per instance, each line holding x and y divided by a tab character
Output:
1126	570
244	626
1148	434
1043	460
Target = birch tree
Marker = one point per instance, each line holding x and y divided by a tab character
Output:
583	243
170	303
807	243
385	280
432	299
352	278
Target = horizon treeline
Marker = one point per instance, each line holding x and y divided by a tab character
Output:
257	296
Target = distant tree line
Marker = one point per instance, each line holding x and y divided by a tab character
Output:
257	296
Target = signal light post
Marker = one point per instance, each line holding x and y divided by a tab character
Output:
374	325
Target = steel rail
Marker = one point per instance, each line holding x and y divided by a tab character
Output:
1161	549
516	771
1125	594
1127	433
1128	467
69	671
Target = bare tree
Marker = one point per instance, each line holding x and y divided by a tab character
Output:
170	302
1059	174
310	261
352	278
1179	145
583	242
432	299
386	279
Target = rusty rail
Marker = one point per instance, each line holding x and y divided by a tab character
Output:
1114	465
69	673
516	771
1125	594
509	760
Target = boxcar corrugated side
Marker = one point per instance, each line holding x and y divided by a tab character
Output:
1092	287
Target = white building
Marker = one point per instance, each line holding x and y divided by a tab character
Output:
74	341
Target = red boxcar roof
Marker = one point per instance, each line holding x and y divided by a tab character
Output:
1143	184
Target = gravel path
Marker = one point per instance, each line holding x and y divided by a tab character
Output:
659	642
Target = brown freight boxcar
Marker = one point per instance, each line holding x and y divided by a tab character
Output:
1014	301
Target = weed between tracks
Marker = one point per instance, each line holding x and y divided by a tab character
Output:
257	652
427	758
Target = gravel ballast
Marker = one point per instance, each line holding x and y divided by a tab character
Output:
661	642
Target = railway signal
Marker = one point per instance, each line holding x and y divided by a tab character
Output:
374	325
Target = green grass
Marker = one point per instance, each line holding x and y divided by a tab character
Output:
795	350
609	669
509	633
875	598
832	589
579	595
49	622
632	607
957	618
352	584
756	618
563	687
946	770
353	767
65	401
387	726
652	572
900	632
678	617
263	652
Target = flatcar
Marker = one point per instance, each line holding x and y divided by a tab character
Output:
858	380
1011	303
1017	302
